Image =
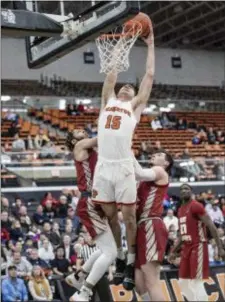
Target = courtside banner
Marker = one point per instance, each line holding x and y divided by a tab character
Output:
215	287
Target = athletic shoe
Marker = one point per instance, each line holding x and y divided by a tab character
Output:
75	280
128	281
84	295
119	274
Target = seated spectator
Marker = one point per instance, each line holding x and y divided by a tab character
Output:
13	288
47	230
60	265
5	222
196	140
24	219
220	137
215	213
170	219
17	205
5	204
55	234
211	136
222	205
48	150
18	145
40	139
80	107
71	109
74	219
34	259
66	244
3	262
46	251
29	143
156	124
39	217
186	154
181	124
39	286
16	232
24	268
34	233
4	235
165	122
88	128
9	249
49	210
62	207
221	233
48	196
157	146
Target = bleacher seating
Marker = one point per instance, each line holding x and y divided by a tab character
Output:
173	140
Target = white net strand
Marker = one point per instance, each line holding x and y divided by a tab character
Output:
114	49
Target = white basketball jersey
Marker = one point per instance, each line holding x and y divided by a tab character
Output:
115	131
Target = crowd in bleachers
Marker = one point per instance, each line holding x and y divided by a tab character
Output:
49	241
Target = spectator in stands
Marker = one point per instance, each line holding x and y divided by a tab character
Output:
49	209
212	250
181	124
186	154
66	244
80	107
5	222
74	219
145	150
221	232
24	219
46	251
48	196
39	216
211	136
158	146
18	145
220	137
13	288
215	213
222	205
34	233
62	207
171	219
60	265
24	268
40	139
3	261
48	150
5	236
71	109
17	205
4	204
14	129
165	121
29	143
47	230
11	116
156	124
55	234
39	286
196	140
34	259
16	232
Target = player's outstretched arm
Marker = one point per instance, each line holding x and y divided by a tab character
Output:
141	99
213	231
108	89
152	174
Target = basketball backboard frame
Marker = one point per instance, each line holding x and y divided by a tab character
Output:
103	19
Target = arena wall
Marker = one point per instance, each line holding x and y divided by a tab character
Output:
198	67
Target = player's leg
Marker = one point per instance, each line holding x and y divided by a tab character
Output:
140	285
126	196
106	243
111	213
185	274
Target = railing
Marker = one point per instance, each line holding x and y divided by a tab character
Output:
61	164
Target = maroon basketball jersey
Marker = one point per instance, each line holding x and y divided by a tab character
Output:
150	200
192	229
85	171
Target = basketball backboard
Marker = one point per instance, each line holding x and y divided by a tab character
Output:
90	19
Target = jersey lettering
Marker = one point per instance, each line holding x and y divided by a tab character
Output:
113	122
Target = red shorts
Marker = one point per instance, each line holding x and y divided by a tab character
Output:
194	262
152	239
91	216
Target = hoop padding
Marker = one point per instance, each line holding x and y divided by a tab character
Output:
114	48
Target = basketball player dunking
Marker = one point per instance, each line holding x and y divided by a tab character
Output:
151	233
91	217
194	264
114	180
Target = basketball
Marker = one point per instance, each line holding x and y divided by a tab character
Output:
145	22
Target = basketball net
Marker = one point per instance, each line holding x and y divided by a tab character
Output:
114	48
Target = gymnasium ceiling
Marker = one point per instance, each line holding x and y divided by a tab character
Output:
187	24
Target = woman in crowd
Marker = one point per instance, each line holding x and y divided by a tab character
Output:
39	286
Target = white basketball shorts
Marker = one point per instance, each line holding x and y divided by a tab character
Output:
114	182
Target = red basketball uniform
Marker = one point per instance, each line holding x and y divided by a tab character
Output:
194	255
89	213
152	234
